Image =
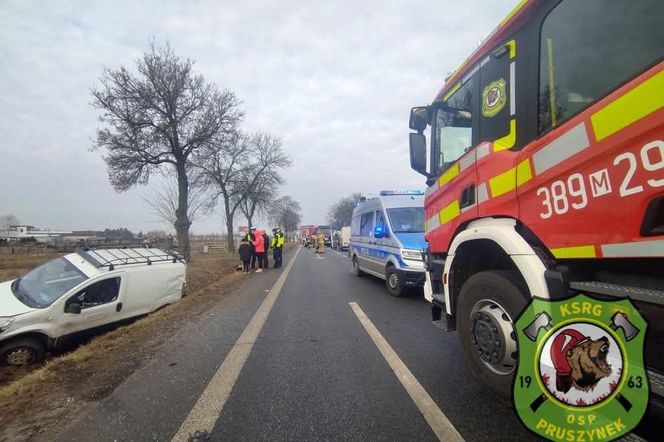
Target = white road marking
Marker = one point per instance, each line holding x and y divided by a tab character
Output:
211	402
437	420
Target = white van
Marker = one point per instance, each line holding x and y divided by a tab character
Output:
82	291
387	239
344	241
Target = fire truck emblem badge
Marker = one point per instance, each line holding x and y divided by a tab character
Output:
580	373
493	98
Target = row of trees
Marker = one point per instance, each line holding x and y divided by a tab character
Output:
341	212
168	120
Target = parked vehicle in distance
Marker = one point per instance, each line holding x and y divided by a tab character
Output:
344	238
80	292
387	239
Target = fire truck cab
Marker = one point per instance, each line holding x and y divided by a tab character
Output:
545	173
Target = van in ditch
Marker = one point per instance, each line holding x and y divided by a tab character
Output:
80	292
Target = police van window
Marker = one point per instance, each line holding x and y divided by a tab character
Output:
380	220
406	219
453	127
590	47
366	223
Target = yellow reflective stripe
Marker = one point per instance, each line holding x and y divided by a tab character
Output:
450	212
450	93
508	141
523	172
512	45
503	183
448	175
641	101
514	11
574	252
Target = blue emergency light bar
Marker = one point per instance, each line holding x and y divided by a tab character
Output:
401	192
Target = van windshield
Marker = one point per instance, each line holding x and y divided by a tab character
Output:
406	219
44	285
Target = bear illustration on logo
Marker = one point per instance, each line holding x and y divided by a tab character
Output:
579	361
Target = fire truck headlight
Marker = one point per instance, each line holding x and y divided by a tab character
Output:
415	255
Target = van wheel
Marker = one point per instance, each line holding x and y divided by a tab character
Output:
22	351
356	267
393	282
488	304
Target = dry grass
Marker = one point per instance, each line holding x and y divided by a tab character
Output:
36	403
14	265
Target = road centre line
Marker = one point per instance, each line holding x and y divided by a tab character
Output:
207	409
436	419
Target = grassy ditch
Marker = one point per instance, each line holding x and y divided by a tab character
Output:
37	402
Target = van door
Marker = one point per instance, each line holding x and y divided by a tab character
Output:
381	245
100	303
365	240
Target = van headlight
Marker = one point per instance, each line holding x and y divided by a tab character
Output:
411	254
4	323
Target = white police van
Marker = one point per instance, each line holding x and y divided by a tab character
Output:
387	237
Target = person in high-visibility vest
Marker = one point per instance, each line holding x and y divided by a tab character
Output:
321	243
277	246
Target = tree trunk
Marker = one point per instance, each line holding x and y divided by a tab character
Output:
182	222
250	221
229	226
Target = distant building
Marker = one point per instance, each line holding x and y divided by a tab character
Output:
18	232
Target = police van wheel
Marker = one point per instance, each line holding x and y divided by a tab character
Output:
393	282
488	304
356	267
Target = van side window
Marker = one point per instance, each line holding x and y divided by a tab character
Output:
101	292
366	223
590	47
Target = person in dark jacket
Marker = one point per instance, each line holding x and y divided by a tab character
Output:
250	237
245	254
266	241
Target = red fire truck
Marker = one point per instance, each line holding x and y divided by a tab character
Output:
545	173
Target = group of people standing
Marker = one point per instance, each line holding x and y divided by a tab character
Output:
254	248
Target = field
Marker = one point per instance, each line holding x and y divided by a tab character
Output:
35	399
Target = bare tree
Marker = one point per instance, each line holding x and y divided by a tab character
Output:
285	212
341	212
223	165
163	201
262	183
233	167
157	119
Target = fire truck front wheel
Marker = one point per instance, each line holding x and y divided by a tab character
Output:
488	304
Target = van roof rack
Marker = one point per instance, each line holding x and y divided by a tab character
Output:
114	257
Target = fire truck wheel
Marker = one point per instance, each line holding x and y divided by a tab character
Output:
21	351
356	267
488	304
393	282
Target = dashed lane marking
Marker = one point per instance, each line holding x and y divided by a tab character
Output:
436	419
211	402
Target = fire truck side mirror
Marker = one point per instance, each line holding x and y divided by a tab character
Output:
418	153
419	118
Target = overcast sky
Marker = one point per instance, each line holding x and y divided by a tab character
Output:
334	79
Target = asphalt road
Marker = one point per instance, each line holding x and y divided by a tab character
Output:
313	373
